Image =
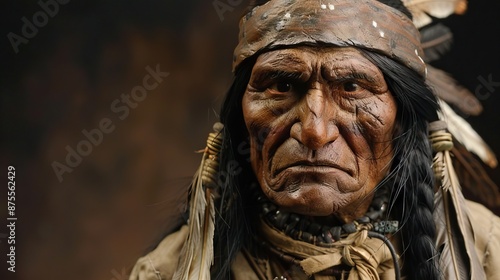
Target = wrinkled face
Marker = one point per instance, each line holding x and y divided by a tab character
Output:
320	122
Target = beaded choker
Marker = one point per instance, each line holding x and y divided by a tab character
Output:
301	228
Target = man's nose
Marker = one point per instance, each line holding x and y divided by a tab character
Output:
316	127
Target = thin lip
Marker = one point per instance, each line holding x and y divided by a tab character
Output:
308	163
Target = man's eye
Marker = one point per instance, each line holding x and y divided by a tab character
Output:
281	87
350	86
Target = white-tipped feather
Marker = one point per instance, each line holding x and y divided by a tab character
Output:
423	9
463	132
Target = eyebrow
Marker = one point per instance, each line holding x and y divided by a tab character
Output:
281	74
270	74
359	74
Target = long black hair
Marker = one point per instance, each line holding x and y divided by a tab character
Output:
411	175
233	228
412	197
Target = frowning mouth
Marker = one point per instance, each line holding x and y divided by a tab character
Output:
312	166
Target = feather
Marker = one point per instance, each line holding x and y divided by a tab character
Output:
424	10
190	260
473	177
197	253
436	40
449	90
203	261
455	236
463	132
451	260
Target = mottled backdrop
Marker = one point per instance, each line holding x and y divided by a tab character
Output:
104	105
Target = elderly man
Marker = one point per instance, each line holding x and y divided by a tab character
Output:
335	162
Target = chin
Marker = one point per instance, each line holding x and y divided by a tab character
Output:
311	199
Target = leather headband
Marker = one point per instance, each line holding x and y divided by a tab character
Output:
367	24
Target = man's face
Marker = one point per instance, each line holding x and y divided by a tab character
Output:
320	122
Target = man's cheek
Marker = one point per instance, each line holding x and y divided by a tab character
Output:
258	138
256	154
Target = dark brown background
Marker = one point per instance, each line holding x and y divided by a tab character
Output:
103	215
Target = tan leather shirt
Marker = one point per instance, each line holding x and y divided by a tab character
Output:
161	263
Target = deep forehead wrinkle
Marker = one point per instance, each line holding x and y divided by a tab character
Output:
330	62
284	61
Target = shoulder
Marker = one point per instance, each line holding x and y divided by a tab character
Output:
161	263
486	226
